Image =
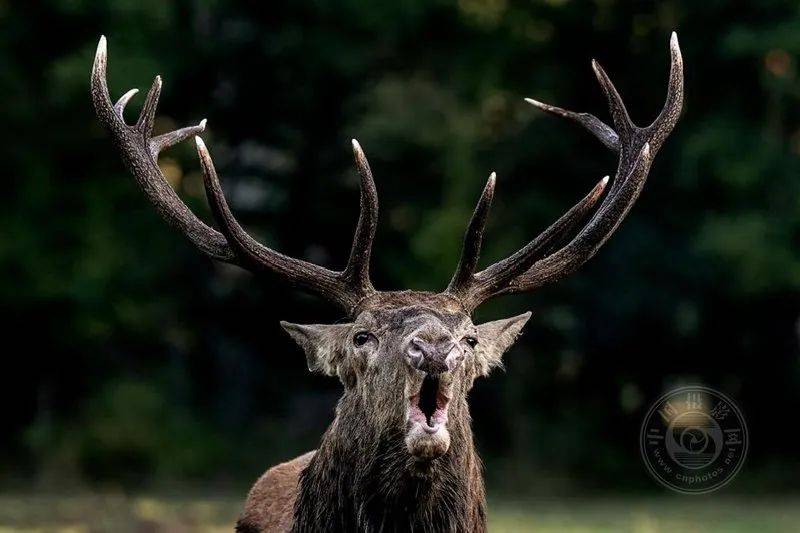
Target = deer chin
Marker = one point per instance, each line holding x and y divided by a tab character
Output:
427	436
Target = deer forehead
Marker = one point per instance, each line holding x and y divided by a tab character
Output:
394	302
408	315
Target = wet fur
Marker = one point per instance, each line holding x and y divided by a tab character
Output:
363	477
364	481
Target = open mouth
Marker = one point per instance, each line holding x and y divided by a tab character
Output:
429	406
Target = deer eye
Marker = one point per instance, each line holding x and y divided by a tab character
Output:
471	341
361	338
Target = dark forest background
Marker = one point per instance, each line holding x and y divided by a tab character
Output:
128	360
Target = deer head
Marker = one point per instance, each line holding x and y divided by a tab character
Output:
407	359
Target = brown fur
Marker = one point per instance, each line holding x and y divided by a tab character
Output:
372	472
270	504
363	479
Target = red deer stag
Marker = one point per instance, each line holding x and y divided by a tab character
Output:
399	455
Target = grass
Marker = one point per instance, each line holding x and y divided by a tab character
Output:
92	512
679	514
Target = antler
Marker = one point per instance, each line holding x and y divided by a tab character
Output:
539	262
140	150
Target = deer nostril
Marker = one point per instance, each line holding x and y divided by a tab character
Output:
417	352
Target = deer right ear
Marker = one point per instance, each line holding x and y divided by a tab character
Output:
497	337
322	343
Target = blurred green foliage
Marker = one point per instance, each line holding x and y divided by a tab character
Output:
129	359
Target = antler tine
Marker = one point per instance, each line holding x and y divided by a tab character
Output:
473	239
661	127
619	114
589	240
147	116
357	270
119	107
479	287
594	125
166	140
256	256
141	161
535	265
99	87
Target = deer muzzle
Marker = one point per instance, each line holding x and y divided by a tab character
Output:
435	357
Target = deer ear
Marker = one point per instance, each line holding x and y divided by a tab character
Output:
322	343
494	338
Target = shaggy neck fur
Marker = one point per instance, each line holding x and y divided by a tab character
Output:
363	479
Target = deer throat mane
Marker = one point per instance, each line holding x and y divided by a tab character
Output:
365	480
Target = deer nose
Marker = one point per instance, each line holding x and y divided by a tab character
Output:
431	357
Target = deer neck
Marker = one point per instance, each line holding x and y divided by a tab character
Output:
362	478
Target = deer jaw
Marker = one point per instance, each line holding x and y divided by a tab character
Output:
429	397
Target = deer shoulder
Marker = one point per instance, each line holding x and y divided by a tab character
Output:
270	504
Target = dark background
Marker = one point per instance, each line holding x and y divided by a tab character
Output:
130	361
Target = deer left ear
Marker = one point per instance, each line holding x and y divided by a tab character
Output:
494	338
322	344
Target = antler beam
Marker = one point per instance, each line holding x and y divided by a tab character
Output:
140	150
